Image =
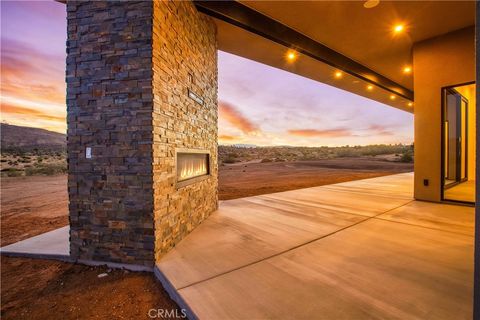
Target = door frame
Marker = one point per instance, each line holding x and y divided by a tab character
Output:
442	143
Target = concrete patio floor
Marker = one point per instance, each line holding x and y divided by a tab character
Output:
357	250
49	245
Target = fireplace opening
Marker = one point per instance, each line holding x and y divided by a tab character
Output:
192	167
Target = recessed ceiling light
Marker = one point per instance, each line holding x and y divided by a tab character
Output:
407	69
410	104
369	87
338	74
291	55
371	3
398	28
392	97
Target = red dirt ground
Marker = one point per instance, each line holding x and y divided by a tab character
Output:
244	180
32	205
44	289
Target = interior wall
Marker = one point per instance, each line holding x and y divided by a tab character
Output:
184	58
438	62
469	93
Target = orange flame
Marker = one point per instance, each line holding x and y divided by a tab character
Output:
191	166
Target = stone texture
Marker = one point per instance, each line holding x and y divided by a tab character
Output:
128	66
184	57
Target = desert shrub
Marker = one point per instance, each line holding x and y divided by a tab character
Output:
346	152
12	172
406	157
308	157
266	160
232	154
230	160
46	169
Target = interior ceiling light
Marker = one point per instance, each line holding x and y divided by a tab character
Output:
407	69
392	97
338	74
410	104
371	3
369	87
398	28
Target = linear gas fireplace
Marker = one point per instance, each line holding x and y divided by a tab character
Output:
192	166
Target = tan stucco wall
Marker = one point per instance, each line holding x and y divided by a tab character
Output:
438	62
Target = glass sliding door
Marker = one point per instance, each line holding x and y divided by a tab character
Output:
455	128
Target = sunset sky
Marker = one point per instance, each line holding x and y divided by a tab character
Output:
258	104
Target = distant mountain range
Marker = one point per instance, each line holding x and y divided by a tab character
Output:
244	145
26	138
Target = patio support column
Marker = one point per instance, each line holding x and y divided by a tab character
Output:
130	68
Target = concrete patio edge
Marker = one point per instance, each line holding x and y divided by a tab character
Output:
48	256
173	293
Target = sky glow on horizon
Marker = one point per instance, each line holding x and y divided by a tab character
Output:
258	104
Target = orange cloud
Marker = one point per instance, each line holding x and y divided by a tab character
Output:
230	113
31	113
32	86
226	137
321	133
35	92
380	130
30	74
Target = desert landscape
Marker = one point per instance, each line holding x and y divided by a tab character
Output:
253	178
35	200
34	181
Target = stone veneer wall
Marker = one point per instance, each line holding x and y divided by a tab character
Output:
128	66
184	57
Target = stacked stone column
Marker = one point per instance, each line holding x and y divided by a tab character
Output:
129	68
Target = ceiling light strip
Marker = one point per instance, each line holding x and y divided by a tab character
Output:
255	22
